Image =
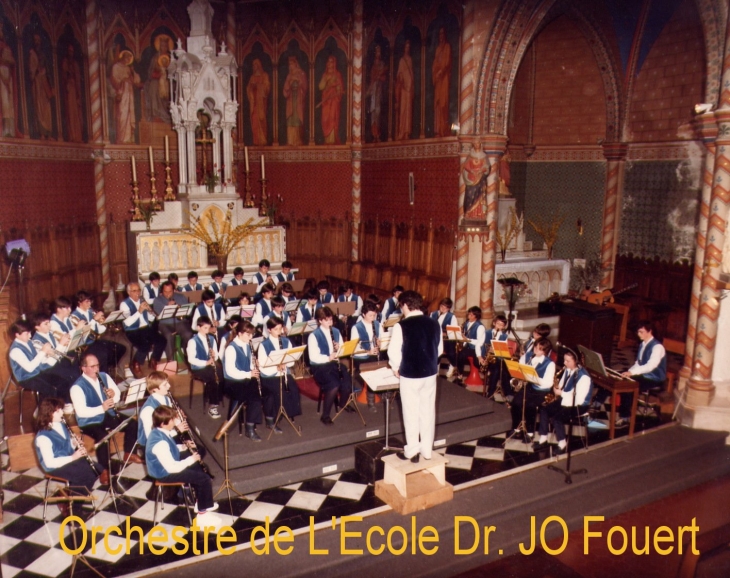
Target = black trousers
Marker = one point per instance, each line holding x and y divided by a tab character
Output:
498	373
290	389
100	430
208	375
44	385
532	399
450	352
558	415
463	358
245	391
145	340
169	326
624	408
108	352
332	378
199	480
79	473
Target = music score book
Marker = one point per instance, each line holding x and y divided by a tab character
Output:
380	379
284	356
501	349
392	320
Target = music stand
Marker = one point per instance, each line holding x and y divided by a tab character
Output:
111	492
347	349
527	374
566	472
135	392
383	380
501	351
223	432
275	359
72	529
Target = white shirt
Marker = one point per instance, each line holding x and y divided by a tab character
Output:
146	293
395	347
211	313
582	387
657	354
145	414
478	343
171	465
45	446
354	334
27	364
258	316
130	319
96	327
315	356
192	351
312	310
230	360
79	399
262	356
547	380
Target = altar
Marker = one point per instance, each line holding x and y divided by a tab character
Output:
543	277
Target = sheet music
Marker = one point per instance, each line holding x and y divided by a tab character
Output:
381	379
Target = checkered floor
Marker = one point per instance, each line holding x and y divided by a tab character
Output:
28	547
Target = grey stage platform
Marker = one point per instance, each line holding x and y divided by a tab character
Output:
284	459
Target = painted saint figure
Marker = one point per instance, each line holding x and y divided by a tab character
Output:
124	79
504	174
7	87
332	89
157	86
474	173
404	92
376	91
42	90
257	91
71	83
295	93
441	70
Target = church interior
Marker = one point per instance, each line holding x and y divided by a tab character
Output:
557	162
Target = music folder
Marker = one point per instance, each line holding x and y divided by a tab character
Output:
453	333
247	311
521	371
292	306
234	291
193	296
348	348
501	349
302	327
297	285
113	317
168	312
392	320
381	379
233	310
340	308
283	356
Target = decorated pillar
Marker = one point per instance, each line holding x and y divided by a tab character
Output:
231	27
357	44
707	129
92	40
615	154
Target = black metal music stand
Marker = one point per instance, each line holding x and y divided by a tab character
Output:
566	472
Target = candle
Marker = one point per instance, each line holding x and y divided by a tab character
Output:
245	156
152	162
134	169
263	168
167	149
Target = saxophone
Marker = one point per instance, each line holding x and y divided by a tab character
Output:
550	397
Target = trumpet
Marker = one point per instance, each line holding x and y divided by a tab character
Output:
53	353
193	446
80	445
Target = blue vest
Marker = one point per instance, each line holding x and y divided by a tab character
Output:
61	447
154	404
200	352
394	307
573	381
259	278
43	339
345	298
132	311
269	344
217	309
284	318
529	353
196	287
660	372
493	335
324	348
540	369
87	316
362	333
154	467
235	282
243	359
66	326
265	309
153	293
216	288
448	319
471	333
30	352
326	299
92	399
280	277
306	311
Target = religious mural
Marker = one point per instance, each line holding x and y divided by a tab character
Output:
123	85
10	119
330	111
442	74
72	88
407	97
258	107
293	89
376	93
40	83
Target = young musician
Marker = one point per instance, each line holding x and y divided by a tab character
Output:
498	372
30	366
203	361
287	292
532	395
306	311
211	309
94	396
367	330
331	376
262	276
158	387
173	278
227	335
649	370
152	290
164	463
218	286
64	371
272	376
285	274
243	377
323	289
107	352
474	331
263	307
59	451
391	304
445	319
238	277
348	295
137	323
193	284
277	310
541	331
574	388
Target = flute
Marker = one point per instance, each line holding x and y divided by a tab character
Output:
191	440
80	445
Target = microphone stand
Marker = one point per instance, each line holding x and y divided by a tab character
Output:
566	472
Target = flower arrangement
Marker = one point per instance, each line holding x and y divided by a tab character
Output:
147	209
548	230
220	238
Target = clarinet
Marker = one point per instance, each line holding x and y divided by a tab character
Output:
281	346
110	395
190	439
335	347
255	363
80	445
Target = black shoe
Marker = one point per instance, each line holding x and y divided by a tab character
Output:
271	425
402	456
326	420
560	451
537	446
252	434
349	409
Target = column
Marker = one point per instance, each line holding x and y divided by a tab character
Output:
92	40
356	130
190	148
216	146
707	129
227	155
615	154
182	170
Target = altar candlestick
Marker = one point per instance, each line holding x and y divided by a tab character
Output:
263	168
245	156
167	149
152	162
134	169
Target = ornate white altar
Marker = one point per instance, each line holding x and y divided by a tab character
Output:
203	108
543	277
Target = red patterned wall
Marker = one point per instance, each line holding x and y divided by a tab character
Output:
385	190
45	192
118	184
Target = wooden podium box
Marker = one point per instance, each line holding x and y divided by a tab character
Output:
588	325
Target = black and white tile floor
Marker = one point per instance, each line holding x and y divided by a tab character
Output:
30	548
